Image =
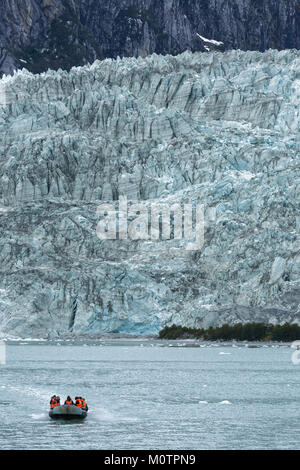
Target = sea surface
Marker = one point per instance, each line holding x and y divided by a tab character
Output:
151	395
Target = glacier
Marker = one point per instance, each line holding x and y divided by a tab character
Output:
218	129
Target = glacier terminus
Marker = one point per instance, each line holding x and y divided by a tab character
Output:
218	129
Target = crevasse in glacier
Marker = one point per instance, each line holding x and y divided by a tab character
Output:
215	129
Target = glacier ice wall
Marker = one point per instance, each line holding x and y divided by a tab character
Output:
217	129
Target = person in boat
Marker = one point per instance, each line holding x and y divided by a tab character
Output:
52	402
55	401
84	404
78	402
81	403
69	401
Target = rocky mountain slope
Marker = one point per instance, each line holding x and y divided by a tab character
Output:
42	34
219	129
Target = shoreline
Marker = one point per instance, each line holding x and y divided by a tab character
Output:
239	334
142	341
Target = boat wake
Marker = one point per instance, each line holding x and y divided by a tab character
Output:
39	416
105	415
29	391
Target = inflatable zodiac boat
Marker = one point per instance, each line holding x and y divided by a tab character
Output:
67	412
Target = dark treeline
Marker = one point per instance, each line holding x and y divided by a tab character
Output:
239	332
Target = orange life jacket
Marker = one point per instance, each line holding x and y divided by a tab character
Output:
52	403
83	402
68	402
78	403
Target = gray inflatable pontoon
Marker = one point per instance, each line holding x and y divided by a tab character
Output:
67	412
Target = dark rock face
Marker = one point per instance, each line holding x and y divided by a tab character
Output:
42	34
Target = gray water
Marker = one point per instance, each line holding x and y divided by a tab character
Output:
149	395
